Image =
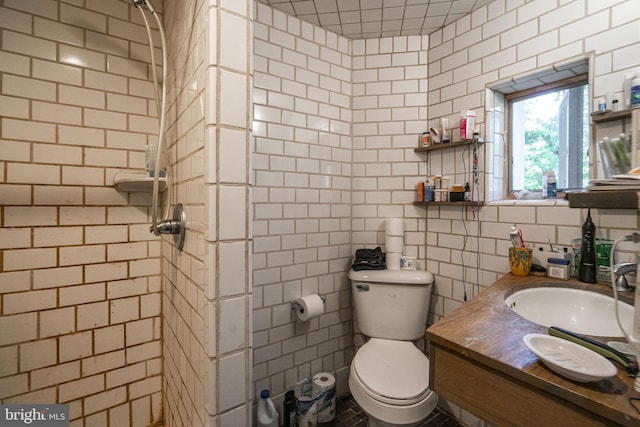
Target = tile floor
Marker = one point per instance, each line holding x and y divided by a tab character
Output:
349	414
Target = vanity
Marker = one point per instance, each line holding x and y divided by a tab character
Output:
480	363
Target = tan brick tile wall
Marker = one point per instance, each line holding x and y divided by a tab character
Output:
77	308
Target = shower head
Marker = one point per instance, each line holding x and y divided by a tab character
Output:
147	3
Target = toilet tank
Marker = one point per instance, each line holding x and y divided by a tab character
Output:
391	304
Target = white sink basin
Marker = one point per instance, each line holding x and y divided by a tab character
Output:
576	310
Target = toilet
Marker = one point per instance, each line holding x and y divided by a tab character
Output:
389	375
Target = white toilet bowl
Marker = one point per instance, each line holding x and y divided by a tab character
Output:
390	381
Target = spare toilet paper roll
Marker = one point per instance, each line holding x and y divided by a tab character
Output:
392	259
394	226
309	306
323	388
393	243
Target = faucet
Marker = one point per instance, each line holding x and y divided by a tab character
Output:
619	270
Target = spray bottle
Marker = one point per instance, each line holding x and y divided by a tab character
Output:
266	414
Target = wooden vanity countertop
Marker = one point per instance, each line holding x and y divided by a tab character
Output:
485	331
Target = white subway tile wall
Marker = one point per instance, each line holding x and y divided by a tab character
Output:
389	113
207	287
79	283
399	86
504	41
334	125
301	200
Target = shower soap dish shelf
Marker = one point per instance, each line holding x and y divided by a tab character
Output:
137	182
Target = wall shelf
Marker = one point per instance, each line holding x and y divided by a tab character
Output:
452	144
610	116
465	203
609	199
137	182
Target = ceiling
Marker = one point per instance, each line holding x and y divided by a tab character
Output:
362	19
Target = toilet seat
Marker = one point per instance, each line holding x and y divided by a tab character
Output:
393	372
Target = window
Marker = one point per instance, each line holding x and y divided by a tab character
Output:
548	130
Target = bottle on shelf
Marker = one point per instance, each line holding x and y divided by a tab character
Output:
425	139
588	261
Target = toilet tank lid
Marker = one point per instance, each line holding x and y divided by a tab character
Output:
401	277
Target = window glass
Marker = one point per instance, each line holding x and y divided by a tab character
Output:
549	131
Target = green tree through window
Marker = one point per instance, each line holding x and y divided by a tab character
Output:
549	132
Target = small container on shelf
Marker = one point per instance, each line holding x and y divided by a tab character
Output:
429	193
456	196
441	195
425	139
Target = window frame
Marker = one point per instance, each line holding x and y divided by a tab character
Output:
509	98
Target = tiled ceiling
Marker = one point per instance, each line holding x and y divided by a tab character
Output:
362	19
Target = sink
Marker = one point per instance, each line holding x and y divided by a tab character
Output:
577	310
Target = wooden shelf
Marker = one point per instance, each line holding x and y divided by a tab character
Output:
452	144
613	199
610	116
465	203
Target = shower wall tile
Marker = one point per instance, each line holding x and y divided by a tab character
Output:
232	271
28	45
233	156
76	90
231	198
233	95
233	53
205	310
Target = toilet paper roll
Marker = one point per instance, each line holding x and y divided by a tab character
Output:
392	259
324	389
394	226
393	243
308	307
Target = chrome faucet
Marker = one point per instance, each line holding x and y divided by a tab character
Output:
619	270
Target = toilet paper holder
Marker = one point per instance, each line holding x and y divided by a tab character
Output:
298	307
